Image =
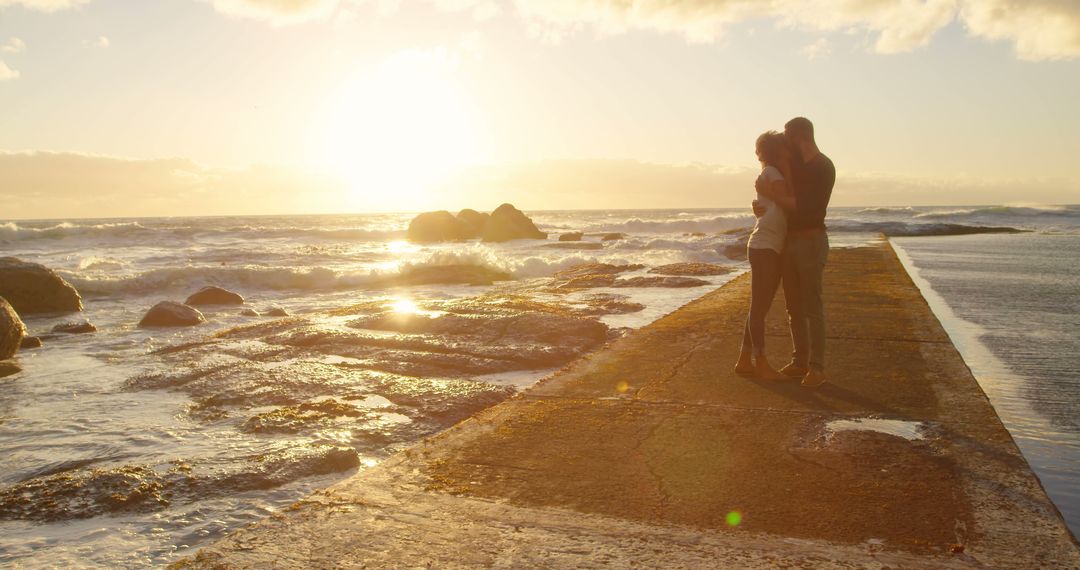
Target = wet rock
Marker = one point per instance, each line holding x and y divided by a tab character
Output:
656	281
12	330
213	295
172	314
692	269
508	223
586	269
308	415
31	342
33	288
449	274
586	282
84	493
694	234
603	304
7	368
578	245
75	328
276	311
249	313
612	236
432	227
571	236
474	220
278	468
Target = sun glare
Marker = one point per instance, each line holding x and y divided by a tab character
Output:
398	129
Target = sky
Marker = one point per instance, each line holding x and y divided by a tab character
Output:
113	108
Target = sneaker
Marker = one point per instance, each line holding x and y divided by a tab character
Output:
814	378
794	370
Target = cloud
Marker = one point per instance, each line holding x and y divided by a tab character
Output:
277	12
6	73
99	42
819	48
13	45
44	5
1038	30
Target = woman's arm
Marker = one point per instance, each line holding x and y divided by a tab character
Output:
778	191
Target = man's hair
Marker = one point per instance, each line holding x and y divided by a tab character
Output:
801	128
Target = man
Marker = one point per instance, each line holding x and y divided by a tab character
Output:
805	250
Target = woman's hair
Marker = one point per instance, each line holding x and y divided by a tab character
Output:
770	148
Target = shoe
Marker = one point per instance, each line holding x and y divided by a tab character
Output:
794	370
745	365
764	371
814	378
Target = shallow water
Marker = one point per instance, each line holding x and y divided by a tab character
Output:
1011	304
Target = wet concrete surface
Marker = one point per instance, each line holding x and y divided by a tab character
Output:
652	452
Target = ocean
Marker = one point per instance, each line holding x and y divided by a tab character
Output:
131	447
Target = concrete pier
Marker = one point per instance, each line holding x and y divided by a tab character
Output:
653	453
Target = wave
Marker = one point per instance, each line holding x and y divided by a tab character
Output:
706	225
1000	211
13	231
10	231
239	278
905	229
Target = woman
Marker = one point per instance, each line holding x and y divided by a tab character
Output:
763	250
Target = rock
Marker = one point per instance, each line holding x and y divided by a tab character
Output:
33	288
694	234
450	274
612	236
75	328
586	282
584	269
172	314
250	313
8	367
692	269
508	223
571	236
475	220
31	342
432	227
213	295
737	250
578	245
12	330
656	281
276	311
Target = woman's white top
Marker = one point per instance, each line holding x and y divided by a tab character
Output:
770	229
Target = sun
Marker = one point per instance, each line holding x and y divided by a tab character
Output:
396	131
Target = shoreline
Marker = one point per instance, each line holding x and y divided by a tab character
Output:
650	451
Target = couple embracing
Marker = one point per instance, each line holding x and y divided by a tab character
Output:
789	245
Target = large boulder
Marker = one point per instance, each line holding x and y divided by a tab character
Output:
172	314
12	330
508	223
431	227
33	288
475	220
213	295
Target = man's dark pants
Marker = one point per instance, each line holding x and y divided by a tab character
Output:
805	254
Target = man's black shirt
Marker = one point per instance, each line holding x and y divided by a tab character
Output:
813	187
